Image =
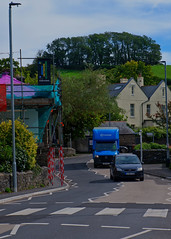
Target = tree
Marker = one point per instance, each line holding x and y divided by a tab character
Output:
86	103
160	116
109	49
5	65
131	69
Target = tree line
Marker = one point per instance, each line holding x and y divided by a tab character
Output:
102	50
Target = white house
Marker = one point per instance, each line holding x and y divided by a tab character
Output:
139	101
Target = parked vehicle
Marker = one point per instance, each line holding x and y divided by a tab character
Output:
126	166
105	145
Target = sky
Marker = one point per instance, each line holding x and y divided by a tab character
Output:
37	23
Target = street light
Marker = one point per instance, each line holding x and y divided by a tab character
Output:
167	135
12	97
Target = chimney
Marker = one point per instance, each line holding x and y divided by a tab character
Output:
140	80
123	80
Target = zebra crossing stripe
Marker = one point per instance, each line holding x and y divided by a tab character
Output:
68	210
26	212
111	211
156	213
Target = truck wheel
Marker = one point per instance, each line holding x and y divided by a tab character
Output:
95	165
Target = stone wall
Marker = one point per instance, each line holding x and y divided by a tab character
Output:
25	180
153	155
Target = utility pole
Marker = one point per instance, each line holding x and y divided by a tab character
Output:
12	97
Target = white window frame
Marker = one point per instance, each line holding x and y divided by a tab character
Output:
148	112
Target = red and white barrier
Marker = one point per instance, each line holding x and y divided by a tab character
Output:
61	164
51	162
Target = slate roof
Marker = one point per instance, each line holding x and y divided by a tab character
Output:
115	89
149	90
122	125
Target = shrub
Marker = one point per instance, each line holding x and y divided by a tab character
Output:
151	145
26	147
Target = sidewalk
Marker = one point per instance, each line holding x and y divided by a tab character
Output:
158	170
8	197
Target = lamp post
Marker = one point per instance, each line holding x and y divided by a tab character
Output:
12	97
167	135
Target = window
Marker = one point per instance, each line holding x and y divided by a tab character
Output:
132	110
163	109
132	90
148	110
163	92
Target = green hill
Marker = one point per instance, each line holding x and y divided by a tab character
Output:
159	71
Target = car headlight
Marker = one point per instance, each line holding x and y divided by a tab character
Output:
119	169
96	156
139	169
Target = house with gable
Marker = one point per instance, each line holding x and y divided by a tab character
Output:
139	101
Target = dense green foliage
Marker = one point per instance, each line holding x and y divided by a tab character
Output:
146	146
86	103
158	132
26	147
102	50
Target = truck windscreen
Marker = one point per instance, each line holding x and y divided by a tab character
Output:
107	146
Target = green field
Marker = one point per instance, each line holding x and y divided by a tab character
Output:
159	71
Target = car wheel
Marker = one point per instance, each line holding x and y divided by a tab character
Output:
142	179
115	179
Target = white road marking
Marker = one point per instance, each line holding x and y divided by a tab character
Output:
63	202
156	213
68	210
2	210
15	229
157	229
25	212
75	225
116	227
110	211
38	203
5	236
137	234
39	224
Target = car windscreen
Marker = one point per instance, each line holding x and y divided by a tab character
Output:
127	160
106	146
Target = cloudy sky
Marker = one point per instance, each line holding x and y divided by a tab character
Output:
38	22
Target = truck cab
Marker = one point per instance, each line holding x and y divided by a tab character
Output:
105	145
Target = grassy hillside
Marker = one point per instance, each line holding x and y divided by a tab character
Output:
159	71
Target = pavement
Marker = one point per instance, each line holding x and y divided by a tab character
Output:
157	170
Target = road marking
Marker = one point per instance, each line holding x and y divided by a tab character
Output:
75	225
37	203
157	229
2	210
68	210
110	211
156	213
39	224
63	202
5	236
137	234
25	212
15	229
115	227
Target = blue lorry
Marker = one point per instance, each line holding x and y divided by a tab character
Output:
105	145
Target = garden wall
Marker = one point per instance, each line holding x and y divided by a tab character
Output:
153	155
25	180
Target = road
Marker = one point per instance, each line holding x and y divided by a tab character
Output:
93	206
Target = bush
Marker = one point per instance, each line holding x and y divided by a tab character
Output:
146	146
26	147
